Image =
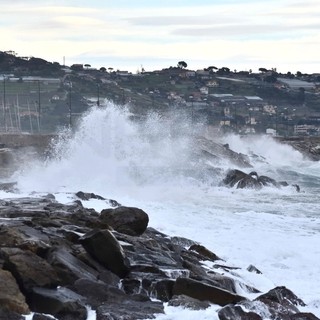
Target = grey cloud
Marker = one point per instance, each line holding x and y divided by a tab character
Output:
244	30
181	20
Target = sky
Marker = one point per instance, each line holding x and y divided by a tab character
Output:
135	34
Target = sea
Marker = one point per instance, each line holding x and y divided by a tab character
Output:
152	162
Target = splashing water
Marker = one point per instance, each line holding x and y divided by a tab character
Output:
151	164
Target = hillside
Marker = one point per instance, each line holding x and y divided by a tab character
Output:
39	96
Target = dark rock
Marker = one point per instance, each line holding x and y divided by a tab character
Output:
69	268
29	269
11	298
39	316
204	252
231	312
128	220
105	248
8	186
10	315
188	302
303	316
162	290
87	196
217	151
253	269
61	303
283	296
204	292
130	310
242	180
97	292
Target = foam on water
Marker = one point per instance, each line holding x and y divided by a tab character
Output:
151	165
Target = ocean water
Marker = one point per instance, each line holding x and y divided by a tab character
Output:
153	164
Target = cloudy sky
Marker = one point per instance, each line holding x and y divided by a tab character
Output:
128	34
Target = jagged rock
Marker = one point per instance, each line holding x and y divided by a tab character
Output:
69	268
8	186
236	312
10	315
61	303
54	244
241	180
128	220
188	302
11	298
162	290
253	269
303	316
87	196
29	269
39	316
218	151
204	252
105	248
283	296
204	292
130	310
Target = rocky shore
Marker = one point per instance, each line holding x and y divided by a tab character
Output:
63	260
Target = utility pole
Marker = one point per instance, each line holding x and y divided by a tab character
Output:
39	106
70	108
98	101
4	104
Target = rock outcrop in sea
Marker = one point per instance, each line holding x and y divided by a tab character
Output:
59	260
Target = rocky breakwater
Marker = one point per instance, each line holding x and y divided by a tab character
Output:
59	260
309	147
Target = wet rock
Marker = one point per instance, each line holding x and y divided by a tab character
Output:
253	269
6	314
217	151
241	180
115	273
236	312
204	252
105	248
130	310
87	196
11	299
29	269
68	267
188	302
303	316
204	292
61	303
128	220
283	296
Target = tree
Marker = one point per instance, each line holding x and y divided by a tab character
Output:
110	69
87	66
103	69
263	70
223	70
182	64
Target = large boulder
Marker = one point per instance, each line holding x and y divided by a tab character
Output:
236	312
29	269
241	180
128	220
11	299
204	292
105	248
63	303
